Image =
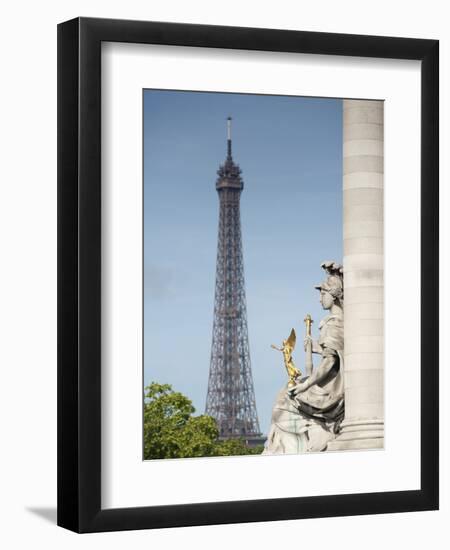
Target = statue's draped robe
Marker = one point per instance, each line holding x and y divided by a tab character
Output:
307	422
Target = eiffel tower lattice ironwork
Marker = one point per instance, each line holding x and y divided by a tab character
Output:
231	397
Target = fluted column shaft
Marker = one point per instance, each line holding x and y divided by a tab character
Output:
363	426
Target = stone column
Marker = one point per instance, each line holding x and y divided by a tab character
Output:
363	426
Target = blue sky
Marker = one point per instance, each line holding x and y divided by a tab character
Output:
290	153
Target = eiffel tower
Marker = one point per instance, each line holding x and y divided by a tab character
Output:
231	397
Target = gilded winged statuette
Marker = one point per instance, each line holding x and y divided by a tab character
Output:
287	349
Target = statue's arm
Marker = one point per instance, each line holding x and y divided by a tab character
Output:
319	374
315	346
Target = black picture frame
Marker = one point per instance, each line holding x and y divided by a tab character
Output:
79	274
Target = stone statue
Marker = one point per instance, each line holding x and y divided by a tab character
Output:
307	416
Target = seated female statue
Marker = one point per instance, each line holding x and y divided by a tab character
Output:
306	416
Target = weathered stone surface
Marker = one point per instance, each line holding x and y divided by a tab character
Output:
364	361
360	294
363	196
364	112
363	165
362	228
365	327
364	343
365	277
363	180
362	245
363	131
367	310
356	147
367	378
362	212
363	262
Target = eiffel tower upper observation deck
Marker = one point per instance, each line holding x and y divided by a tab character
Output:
231	397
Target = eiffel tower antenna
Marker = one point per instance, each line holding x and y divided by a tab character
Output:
229	137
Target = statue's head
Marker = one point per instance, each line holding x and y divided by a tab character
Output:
332	289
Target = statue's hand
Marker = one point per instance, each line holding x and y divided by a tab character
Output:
298	388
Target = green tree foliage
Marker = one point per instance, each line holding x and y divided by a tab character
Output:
171	430
234	447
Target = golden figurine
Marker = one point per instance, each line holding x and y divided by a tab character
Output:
287	349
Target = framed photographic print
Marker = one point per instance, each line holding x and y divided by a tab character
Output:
248	274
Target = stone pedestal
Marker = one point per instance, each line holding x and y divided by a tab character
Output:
363	426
